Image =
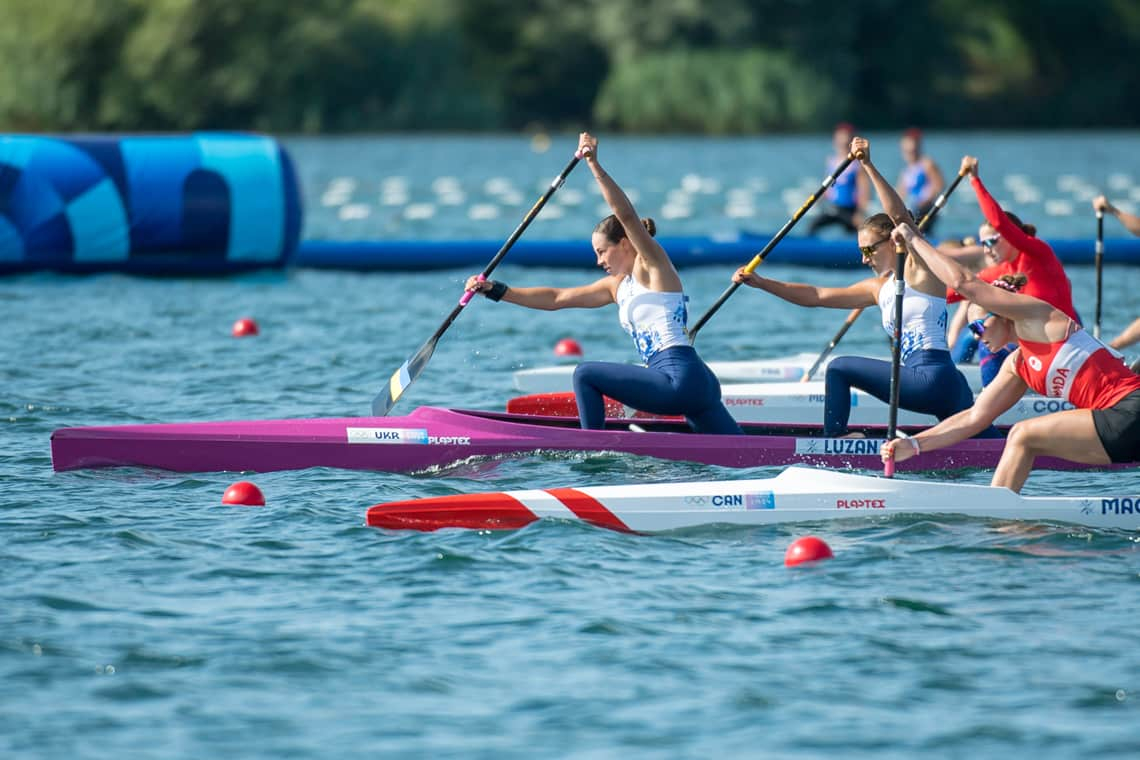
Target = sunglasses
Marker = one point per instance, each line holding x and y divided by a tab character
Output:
990	241
869	250
978	326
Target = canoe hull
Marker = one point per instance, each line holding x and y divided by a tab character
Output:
798	494
431	438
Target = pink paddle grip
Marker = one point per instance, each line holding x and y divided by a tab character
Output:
469	294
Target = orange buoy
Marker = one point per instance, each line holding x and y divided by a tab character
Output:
243	327
567	347
807	549
244	493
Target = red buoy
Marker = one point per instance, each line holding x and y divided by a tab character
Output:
807	549
243	327
244	493
567	347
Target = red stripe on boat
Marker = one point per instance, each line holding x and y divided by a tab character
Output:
589	509
563	404
486	511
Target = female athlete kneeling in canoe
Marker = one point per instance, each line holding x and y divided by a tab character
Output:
642	281
1055	357
928	380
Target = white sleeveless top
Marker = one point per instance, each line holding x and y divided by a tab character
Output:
654	320
924	319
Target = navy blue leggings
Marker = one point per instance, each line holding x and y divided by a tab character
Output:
988	364
675	382
928	383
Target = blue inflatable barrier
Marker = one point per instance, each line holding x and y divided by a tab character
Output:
728	251
205	203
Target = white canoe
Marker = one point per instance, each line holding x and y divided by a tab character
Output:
786	403
783	369
797	494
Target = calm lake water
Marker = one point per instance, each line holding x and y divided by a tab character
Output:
433	187
143	619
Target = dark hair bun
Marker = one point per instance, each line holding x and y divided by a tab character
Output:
650	225
1012	282
1028	229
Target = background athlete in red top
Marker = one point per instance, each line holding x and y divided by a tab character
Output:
1017	249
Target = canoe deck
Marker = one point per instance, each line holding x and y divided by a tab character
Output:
431	438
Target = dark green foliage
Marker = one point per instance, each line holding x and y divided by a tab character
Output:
703	66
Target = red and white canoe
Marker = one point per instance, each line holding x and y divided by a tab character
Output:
798	494
781	403
784	369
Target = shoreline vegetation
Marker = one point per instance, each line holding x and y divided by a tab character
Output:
718	67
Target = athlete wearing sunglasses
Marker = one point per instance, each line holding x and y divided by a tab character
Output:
929	382
1013	247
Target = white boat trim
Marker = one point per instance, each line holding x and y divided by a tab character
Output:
798	494
558	378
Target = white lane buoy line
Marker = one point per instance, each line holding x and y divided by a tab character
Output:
419	211
352	211
1119	182
483	211
569	196
446	185
1056	207
498	186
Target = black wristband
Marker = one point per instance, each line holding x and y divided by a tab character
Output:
497	290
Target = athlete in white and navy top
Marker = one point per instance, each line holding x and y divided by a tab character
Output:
924	319
642	281
928	380
1056	358
654	320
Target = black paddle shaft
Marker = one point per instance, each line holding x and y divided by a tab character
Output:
758	258
896	347
530	216
414	366
1099	269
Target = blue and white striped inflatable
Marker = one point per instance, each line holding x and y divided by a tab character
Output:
190	204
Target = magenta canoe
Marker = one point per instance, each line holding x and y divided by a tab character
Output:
432	437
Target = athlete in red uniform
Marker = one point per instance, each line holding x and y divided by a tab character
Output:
1016	249
1056	358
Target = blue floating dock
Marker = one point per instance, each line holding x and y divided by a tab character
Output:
218	202
415	255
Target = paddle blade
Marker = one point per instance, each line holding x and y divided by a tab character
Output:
401	379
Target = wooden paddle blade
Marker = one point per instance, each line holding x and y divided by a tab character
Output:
401	379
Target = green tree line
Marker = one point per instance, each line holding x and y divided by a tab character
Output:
695	66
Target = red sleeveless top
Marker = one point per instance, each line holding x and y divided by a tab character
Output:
1079	369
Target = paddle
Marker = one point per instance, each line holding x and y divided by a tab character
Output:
759	258
939	202
413	367
896	353
1099	267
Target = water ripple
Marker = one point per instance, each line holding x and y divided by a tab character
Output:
140	613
